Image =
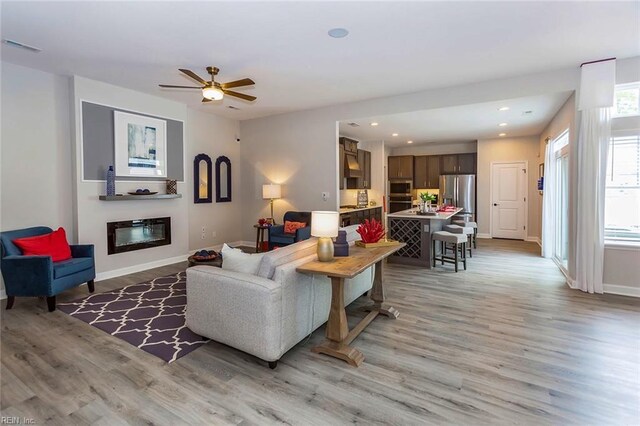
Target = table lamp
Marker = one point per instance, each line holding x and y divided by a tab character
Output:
324	225
271	192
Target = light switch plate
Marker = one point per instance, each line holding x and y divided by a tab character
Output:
325	196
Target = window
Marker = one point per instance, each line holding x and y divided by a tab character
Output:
560	146
622	198
627	100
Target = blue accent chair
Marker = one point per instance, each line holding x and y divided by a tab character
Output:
28	276
277	236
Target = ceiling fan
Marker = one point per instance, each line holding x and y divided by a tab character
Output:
212	90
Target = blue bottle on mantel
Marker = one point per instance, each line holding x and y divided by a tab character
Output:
111	182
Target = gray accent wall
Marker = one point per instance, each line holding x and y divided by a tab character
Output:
98	144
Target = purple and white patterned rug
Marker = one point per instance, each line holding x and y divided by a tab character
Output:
150	316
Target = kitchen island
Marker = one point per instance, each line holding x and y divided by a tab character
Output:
415	230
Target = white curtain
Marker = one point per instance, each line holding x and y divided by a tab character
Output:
593	148
597	85
548	199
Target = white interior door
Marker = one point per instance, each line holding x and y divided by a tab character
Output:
509	200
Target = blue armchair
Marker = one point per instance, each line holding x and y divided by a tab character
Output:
28	276
277	236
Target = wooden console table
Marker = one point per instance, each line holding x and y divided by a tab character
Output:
338	335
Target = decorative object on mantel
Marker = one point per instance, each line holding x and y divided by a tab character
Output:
372	233
223	180
141	191
157	327
271	192
324	225
111	181
202	188
172	186
140	145
341	246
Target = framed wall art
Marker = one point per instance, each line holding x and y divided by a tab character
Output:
140	145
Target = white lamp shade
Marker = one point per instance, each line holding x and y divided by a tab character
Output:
271	191
324	224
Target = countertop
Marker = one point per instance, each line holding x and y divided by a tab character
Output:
411	214
358	210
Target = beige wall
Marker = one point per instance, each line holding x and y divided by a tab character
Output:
436	148
214	136
507	150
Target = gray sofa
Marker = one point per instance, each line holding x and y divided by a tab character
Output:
268	313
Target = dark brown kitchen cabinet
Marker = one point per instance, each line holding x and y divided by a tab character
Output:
433	172
341	167
458	164
466	164
400	167
364	182
358	217
350	145
420	173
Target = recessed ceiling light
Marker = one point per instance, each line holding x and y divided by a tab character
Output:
502	134
338	32
503	109
374	124
394	134
409	141
502	124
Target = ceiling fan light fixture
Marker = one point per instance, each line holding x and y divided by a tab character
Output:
213	93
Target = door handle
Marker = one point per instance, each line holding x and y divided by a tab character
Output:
495	204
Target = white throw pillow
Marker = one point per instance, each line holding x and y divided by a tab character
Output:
236	260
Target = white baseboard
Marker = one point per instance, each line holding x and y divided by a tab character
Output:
483	236
534	240
622	290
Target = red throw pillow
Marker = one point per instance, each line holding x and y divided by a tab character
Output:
54	244
291	227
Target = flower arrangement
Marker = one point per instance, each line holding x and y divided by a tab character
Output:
426	197
371	231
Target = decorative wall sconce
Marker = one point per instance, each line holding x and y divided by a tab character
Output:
202	185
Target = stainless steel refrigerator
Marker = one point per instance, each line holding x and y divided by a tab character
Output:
460	191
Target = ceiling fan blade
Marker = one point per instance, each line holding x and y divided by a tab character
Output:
193	75
169	86
239	95
238	83
205	100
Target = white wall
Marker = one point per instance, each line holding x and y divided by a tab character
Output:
507	150
214	136
36	173
436	148
300	149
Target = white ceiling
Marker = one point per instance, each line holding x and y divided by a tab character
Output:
460	123
393	47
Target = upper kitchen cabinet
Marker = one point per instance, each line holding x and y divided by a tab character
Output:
400	167
458	164
420	176
433	171
466	164
350	145
363	182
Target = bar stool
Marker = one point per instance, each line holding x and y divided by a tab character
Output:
473	225
466	230
458	240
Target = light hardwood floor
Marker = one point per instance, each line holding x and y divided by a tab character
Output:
504	342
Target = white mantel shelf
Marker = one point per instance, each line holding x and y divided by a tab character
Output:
128	197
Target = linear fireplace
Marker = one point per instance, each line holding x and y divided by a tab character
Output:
138	234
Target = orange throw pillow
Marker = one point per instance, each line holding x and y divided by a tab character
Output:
54	244
291	227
